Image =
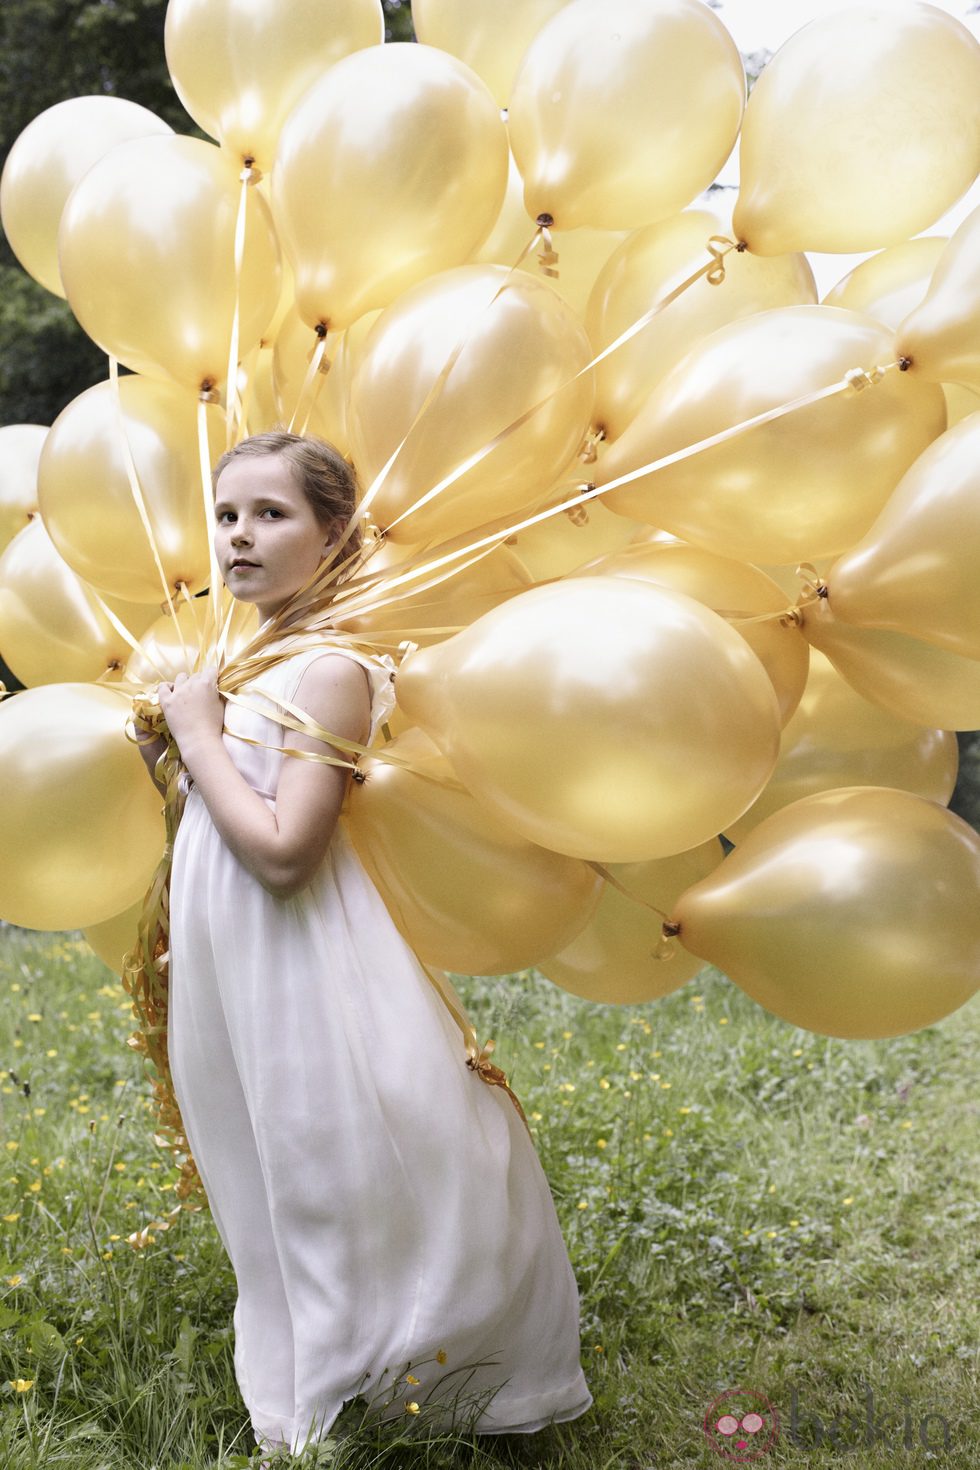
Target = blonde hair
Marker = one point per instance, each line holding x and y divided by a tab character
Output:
325	477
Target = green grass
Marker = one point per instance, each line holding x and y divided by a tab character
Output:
745	1205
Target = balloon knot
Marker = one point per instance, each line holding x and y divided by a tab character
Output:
249	174
208	392
358	776
544	221
321	330
904	363
670	929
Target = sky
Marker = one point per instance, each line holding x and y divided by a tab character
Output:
766	24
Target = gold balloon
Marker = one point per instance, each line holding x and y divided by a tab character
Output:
960	402
941	334
733	589
622	113
852	913
916	681
916	569
294	348
466	891
393	166
114	938
519	342
52	630
614	960
603	717
419	612
256	389
839	738
147	250
807	484
87	503
864	157
167	649
20	450
491	36
83	830
564	542
581	254
47	161
888	285
646	268
240	66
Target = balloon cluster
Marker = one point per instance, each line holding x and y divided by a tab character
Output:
596	429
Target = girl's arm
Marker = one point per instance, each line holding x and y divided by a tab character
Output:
282	848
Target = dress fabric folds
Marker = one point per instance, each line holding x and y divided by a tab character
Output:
384	1210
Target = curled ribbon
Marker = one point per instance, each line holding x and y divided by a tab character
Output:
479	1061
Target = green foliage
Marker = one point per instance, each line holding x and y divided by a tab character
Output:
745	1204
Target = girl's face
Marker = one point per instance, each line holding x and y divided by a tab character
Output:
267	539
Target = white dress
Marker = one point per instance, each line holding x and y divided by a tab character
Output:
380	1203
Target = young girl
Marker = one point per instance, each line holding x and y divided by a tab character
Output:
390	1226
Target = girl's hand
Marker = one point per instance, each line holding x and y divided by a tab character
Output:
193	708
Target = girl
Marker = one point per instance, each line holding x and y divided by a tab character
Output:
390	1226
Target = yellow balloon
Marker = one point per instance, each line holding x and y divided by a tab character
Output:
392	167
615	959
804	485
295	345
147	250
240	66
622	113
47	161
564	542
257	390
83	829
87	503
517	342
733	589
581	254
20	450
916	569
940	336
644	270
888	285
167	649
916	681
839	738
491	36
427	614
865	158
603	717
850	913
114	938
52	630
466	891
960	402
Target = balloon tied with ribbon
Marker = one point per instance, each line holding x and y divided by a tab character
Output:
548	255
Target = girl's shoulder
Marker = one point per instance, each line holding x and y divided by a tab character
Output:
300	651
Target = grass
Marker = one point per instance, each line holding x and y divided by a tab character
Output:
746	1205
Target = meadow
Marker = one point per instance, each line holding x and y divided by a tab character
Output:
747	1206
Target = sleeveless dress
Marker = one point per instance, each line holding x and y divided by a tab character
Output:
383	1208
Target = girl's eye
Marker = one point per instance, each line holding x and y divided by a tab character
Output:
270	510
223	516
